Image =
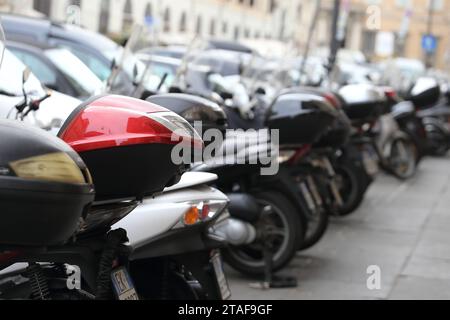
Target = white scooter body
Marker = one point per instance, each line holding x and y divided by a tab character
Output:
158	215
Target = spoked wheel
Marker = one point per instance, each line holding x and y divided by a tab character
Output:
279	227
351	187
402	162
317	226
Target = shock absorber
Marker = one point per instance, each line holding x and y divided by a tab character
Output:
38	282
113	240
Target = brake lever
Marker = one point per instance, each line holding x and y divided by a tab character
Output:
34	106
21	105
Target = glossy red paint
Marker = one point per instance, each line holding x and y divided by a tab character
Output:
114	121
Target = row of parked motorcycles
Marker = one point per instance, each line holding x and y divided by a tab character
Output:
102	211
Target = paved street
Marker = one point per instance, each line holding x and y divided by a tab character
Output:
403	228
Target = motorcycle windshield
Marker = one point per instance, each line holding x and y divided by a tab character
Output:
163	70
127	69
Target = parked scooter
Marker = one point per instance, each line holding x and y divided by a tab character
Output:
235	176
434	113
210	199
86	249
342	160
366	106
244	205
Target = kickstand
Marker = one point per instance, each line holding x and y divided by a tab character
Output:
272	281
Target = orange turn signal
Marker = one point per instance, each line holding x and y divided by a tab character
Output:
192	216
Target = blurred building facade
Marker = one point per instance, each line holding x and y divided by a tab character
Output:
378	28
232	19
395	28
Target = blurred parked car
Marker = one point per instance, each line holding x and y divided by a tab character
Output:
176	52
58	69
229	46
96	51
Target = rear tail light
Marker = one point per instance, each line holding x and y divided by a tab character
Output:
202	212
390	93
7	256
55	167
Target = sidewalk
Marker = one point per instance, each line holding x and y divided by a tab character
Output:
404	228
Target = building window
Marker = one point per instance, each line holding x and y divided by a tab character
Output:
104	16
236	33
166	20
183	23
42	6
212	27
368	43
272	6
435	5
148	10
128	20
400	45
283	25
75	3
224	27
198	28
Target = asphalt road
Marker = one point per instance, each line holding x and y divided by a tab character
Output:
403	228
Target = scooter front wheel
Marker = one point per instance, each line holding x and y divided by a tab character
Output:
402	162
280	227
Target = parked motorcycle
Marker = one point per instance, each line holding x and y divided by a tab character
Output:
365	105
434	113
30	106
94	247
287	196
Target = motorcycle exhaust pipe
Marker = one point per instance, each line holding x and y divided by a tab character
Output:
233	231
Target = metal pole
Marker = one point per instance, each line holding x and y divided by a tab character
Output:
312	28
429	56
334	43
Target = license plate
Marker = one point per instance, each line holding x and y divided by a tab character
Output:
123	286
222	282
370	162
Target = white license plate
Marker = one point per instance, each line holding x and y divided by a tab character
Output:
370	162
123	286
222	282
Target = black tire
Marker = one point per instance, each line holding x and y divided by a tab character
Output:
438	144
408	166
353	186
317	227
249	259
